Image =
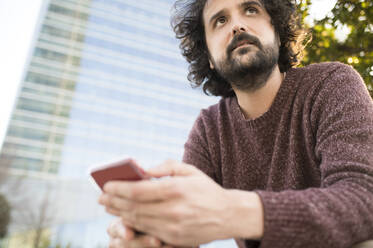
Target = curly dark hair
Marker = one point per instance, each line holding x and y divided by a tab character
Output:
187	23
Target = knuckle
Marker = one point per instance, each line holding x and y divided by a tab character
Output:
111	201
173	188
114	189
134	193
109	210
131	193
108	200
132	206
175	233
178	189
114	202
133	219
176	213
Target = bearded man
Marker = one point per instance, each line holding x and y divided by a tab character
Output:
285	159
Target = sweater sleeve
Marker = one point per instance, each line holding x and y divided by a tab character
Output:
196	151
340	213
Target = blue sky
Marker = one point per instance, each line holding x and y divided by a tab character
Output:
18	19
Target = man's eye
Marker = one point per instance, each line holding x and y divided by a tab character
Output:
221	20
251	10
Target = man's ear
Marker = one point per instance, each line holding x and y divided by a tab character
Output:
278	40
211	65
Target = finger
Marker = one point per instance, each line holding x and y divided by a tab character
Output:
148	217
117	243
144	241
130	232
118	203
153	226
131	210
117	230
113	211
142	191
171	168
113	230
170	246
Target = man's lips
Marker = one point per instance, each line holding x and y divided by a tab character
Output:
242	43
242	39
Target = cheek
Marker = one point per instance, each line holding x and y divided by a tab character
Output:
217	49
268	35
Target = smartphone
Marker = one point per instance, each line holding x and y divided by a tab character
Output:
124	169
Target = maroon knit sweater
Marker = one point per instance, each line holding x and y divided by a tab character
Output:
309	157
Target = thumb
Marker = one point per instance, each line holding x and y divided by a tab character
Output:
171	168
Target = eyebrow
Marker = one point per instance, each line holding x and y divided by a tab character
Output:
248	3
243	4
221	12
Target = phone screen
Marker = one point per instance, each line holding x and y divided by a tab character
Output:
125	169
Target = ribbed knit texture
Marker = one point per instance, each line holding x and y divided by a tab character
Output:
309	157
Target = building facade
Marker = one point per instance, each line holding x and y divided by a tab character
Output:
105	78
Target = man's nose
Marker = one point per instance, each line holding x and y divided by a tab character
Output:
237	29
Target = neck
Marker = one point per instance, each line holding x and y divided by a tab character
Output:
256	103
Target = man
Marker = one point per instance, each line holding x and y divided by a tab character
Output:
285	159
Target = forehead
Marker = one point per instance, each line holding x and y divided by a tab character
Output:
213	6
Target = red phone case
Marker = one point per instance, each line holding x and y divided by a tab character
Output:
125	169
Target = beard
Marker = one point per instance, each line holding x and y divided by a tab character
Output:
244	71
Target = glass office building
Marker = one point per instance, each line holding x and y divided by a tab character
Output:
105	78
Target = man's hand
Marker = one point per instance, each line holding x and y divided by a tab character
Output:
186	209
125	237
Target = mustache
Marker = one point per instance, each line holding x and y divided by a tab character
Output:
243	37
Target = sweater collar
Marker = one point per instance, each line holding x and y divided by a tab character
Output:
287	85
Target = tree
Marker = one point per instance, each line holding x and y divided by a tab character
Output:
355	18
4	216
36	215
4	203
